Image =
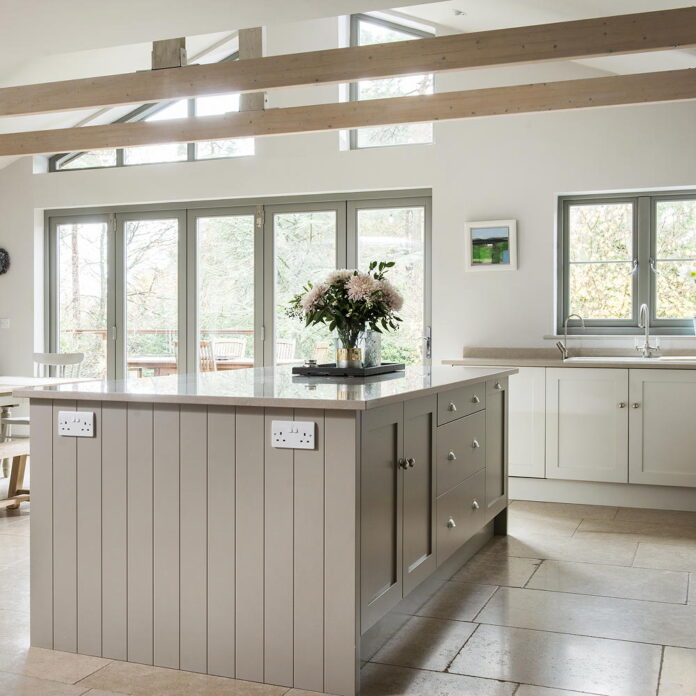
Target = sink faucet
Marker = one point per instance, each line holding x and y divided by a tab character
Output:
646	350
563	346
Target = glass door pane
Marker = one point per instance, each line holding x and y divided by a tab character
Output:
82	278
398	234
152	296
225	252
304	250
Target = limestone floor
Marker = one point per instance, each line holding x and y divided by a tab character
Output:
577	600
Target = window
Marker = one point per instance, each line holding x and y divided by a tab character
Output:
167	152
618	252
366	30
164	290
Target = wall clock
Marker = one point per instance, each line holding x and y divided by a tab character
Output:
4	261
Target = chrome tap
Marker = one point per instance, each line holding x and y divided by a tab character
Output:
646	350
563	346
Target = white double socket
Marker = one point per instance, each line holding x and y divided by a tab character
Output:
293	434
76	423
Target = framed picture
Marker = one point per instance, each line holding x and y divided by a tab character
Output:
491	245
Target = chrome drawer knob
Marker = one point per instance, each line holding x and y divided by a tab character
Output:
498	386
451	524
622	404
475	400
475	505
452	407
475	444
452	456
410	462
635	404
403	464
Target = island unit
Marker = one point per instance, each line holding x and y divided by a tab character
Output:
180	534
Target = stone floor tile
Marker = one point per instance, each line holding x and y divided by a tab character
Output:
665	557
503	570
385	680
603	617
424	592
521	522
142	680
19	685
425	643
13	549
14	582
677	517
538	546
50	664
526	690
458	601
15	521
692	588
647	532
561	661
611	581
678	677
569	510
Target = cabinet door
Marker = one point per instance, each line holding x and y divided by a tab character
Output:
496	450
662	416
419	484
381	493
587	424
527	422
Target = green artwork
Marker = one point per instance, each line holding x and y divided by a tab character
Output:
490	246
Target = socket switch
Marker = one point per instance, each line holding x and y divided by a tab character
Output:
76	423
293	434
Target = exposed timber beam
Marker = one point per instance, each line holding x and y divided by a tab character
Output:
251	46
586	38
676	85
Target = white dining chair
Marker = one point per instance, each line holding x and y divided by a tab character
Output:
229	348
285	349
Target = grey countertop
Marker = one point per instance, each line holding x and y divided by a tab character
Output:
273	387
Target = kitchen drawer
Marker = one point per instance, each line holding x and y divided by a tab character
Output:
460	514
461	450
456	403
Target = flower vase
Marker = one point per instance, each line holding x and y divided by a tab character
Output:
348	357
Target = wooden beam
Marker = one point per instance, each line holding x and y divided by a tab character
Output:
251	46
169	53
633	33
676	85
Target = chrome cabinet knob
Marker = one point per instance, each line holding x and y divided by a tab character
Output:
498	386
475	505
452	456
622	404
451	524
452	407
403	464
635	404
475	399
475	444
410	462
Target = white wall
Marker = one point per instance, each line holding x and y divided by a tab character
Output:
489	168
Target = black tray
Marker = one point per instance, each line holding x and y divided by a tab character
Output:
330	370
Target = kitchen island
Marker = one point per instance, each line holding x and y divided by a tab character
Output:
185	533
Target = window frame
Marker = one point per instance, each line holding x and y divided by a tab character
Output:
644	246
355	20
140	113
187	213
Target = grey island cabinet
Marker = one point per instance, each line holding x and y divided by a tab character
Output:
252	524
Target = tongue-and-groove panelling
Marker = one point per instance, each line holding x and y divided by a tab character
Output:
179	537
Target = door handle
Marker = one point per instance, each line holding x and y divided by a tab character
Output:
635	404
451	524
475	444
475	399
403	464
452	456
622	404
410	462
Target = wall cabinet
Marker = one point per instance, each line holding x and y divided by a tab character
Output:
662	427
587	424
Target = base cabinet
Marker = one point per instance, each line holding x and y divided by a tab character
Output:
496	484
587	424
662	427
527	422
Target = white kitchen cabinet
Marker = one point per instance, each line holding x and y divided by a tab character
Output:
662	447
587	424
527	422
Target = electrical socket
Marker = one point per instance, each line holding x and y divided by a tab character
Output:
76	423
293	434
